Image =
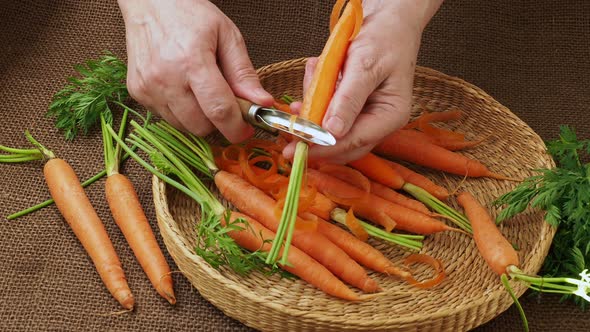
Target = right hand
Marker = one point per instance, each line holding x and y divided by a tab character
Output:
186	62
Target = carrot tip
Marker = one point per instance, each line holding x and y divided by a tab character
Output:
503	177
396	271
170	297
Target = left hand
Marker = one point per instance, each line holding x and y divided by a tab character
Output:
374	95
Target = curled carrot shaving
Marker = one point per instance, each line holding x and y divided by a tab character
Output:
251	176
292	120
355	226
307	222
350	176
436	265
261	172
306	198
283	165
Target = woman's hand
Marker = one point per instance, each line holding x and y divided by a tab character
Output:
374	95
186	62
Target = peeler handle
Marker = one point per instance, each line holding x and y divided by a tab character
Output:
249	110
245	107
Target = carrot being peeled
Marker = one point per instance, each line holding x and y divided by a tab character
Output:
323	84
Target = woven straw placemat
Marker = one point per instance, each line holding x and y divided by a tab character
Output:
530	56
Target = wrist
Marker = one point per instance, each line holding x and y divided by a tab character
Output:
414	12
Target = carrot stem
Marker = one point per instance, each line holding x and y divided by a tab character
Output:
48	202
437	205
214	246
561	285
406	240
289	214
19	151
525	322
84	184
46	152
19	158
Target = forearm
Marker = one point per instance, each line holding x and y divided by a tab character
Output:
418	12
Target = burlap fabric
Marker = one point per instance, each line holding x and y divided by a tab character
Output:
531	56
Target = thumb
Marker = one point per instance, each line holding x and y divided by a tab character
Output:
237	67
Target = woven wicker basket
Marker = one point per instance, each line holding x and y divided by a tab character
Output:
471	294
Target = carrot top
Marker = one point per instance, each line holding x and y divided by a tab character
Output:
173	160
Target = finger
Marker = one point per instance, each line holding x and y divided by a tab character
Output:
385	112
238	69
187	111
296	107
361	75
217	100
165	113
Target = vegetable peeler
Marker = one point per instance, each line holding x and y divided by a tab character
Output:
273	120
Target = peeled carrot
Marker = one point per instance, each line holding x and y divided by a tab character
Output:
405	219
376	169
131	219
492	245
255	203
393	196
399	146
419	180
360	251
74	205
323	84
257	237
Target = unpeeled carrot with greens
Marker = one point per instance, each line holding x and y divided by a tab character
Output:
399	146
130	217
323	83
503	259
255	203
254	236
74	205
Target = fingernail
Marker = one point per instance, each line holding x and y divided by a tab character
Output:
262	94
335	125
